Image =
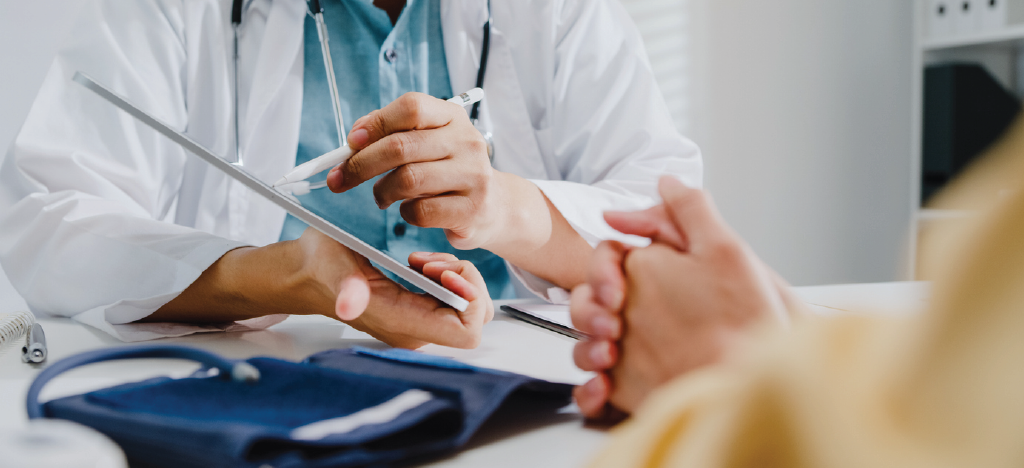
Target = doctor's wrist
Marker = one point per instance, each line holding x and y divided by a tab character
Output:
535	237
523	222
228	290
279	278
246	283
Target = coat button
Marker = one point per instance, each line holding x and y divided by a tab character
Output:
399	229
390	55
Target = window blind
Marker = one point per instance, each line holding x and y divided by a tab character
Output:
663	24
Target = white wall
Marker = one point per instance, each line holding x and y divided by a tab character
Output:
802	108
30	33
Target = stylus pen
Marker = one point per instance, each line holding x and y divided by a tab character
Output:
340	155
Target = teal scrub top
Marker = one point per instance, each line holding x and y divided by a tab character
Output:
375	63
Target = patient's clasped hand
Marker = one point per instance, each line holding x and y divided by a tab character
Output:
690	337
693	294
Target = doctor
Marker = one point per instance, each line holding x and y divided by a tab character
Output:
106	221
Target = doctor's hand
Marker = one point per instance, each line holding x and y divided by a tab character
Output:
405	319
316	275
437	166
344	285
678	305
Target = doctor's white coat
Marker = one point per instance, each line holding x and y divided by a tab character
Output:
104	220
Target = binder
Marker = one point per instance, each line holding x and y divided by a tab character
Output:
965	111
940	18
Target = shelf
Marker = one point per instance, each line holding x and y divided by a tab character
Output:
1004	37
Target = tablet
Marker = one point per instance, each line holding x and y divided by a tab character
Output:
280	199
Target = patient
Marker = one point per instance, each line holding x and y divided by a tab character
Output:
704	344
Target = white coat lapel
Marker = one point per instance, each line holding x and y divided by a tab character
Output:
462	24
270	129
280	44
503	111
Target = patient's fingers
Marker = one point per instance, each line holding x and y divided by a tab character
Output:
592	318
606	276
693	213
592	396
653	223
595	355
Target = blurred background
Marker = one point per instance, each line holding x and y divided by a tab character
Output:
812	115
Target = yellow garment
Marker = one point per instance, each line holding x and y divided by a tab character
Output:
942	389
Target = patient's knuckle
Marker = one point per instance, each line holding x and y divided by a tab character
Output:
693	200
725	250
637	260
645	262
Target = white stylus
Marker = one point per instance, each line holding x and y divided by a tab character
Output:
340	155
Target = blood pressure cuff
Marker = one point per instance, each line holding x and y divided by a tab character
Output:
340	408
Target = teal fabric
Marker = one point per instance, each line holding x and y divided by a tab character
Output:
375	63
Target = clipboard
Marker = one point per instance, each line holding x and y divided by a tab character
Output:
284	201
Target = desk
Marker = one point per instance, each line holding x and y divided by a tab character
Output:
556	440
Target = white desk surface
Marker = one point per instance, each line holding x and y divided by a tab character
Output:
556	440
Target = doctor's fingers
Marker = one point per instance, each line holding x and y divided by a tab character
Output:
462	278
411	111
417	260
453	211
404	319
353	297
412	147
434	264
419	180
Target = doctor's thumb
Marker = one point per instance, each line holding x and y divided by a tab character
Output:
353	297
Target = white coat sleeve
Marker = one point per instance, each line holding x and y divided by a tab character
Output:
87	195
607	127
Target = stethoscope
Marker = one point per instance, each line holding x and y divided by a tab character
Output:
316	10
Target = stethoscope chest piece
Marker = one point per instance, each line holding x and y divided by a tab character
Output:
489	139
